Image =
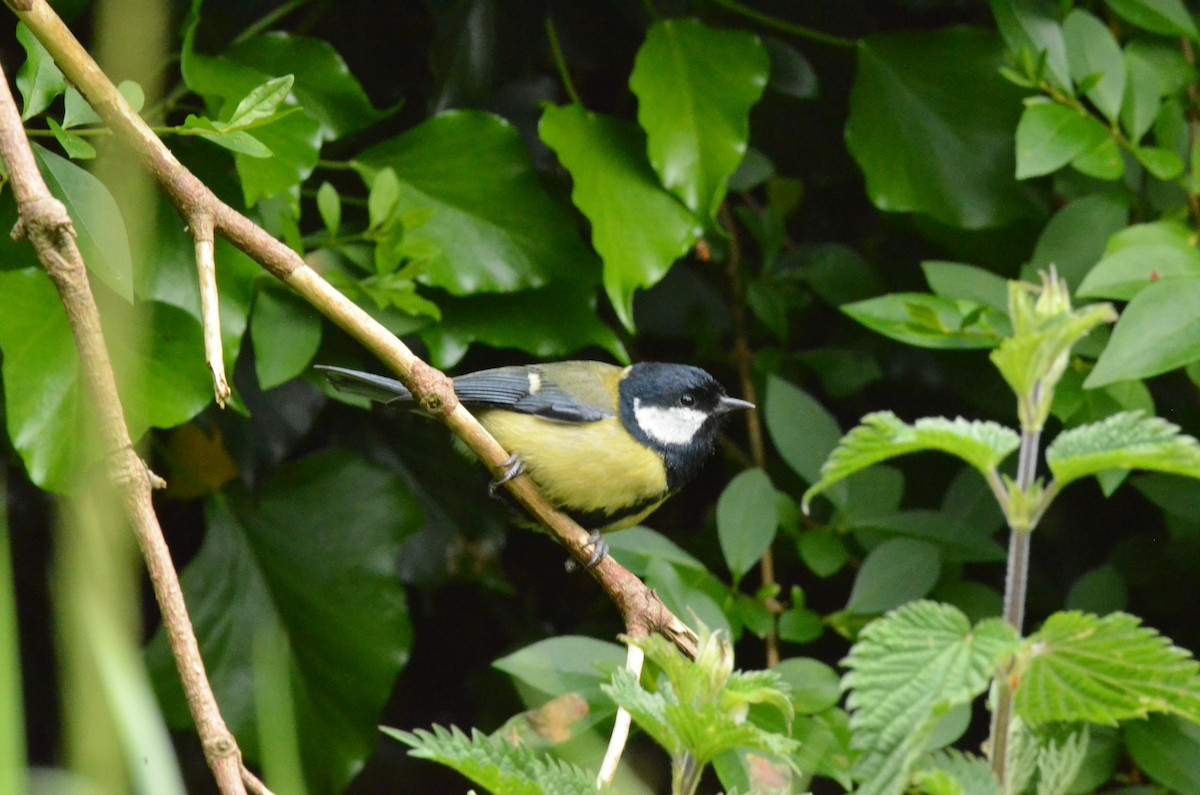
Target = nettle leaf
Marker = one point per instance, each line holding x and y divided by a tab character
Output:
1139	256
907	670
99	226
928	113
638	228
1159	330
881	435
39	79
1129	440
495	227
951	772
695	87
495	764
931	321
299	556
1168	17
1086	668
1050	135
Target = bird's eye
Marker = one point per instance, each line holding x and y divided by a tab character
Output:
687	400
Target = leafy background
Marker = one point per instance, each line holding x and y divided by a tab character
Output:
882	167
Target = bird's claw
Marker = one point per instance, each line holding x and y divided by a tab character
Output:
511	467
599	549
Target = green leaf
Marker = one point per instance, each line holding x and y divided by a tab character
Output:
1165	748
76	147
294	142
383	197
823	552
1034	359
1103	161
746	520
881	435
496	228
77	111
1104	670
954	280
926	115
800	625
285	332
329	205
1074	239
814	685
566	664
1158	331
1101	590
1162	163
894	573
554	321
99	226
930	321
324	86
1129	440
301	556
234	140
1033	27
495	764
952	772
1049	136
261	103
638	228
1139	256
907	670
39	79
803	431
1092	50
695	87
1168	17
1143	90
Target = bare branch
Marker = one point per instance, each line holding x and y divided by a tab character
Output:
200	225
635	658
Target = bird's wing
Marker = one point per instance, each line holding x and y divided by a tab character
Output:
376	387
529	390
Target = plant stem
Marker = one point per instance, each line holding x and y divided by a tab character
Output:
560	63
784	26
1016	582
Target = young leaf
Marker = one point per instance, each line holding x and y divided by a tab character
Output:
1033	28
638	235
1049	136
329	205
234	140
261	102
907	670
1158	331
76	147
384	195
39	79
881	435
746	520
1129	440
1081	667
695	87
77	111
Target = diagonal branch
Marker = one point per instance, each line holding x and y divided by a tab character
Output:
45	222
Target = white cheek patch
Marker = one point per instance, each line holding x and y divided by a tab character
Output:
674	425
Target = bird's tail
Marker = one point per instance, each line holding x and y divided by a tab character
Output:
376	387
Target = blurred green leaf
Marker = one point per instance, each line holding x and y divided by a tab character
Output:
1140	256
233	140
1158	331
814	684
930	321
566	664
329	206
1050	135
695	87
638	228
496	228
77	148
791	74
1101	590
39	79
285	332
1032	26
746	520
294	141
927	113
1075	238
1168	17
1162	163
823	552
77	111
99	227
955	280
1092	50
1165	748
313	552
1103	161
803	431
894	573
800	625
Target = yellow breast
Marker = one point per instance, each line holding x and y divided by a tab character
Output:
588	467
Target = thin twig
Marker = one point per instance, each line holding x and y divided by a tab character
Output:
784	26
743	360
560	63
200	225
45	222
635	659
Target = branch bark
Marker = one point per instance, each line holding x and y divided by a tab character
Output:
44	221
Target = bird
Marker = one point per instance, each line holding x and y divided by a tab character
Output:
605	444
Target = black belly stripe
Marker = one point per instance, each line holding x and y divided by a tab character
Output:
597	520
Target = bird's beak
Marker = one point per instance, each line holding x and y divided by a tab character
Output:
728	404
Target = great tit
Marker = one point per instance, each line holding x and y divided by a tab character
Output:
605	444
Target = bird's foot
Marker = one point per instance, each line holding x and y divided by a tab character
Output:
599	549
511	467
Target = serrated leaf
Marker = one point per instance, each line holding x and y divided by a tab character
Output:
1036	357
952	772
1060	754
638	228
1129	440
881	435
39	79
695	86
492	763
298	555
1084	668
907	670
746	520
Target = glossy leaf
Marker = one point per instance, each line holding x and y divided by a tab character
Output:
1083	668
496	228
638	228
99	227
1092	51
1168	17
301	556
1130	440
39	79
746	520
1049	136
907	670
894	573
262	102
285	332
926	113
1158	331
695	86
